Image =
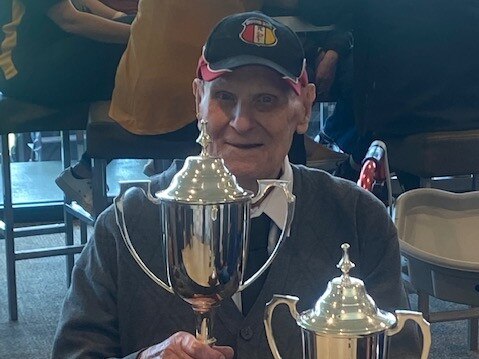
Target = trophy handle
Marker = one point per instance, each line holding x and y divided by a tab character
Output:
264	186
144	186
405	315
291	302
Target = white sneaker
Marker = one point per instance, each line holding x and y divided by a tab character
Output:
76	189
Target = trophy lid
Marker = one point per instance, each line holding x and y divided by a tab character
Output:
204	179
345	308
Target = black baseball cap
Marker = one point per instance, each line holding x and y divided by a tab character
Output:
253	38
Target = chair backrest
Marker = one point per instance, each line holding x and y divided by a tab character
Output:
433	154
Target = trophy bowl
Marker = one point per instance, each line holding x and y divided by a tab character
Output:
205	221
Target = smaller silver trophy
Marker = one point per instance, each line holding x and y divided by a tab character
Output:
205	216
345	323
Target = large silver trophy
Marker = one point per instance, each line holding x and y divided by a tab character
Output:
205	217
345	322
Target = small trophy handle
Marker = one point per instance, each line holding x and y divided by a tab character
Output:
144	186
291	302
402	317
264	186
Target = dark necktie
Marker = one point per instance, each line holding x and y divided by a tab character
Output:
257	256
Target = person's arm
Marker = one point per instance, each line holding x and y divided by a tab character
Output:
325	72
381	270
88	322
88	25
334	45
98	8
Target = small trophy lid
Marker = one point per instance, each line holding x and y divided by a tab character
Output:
345	308
204	179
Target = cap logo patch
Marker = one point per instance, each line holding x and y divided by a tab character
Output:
258	32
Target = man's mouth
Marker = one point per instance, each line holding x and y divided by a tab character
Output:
245	146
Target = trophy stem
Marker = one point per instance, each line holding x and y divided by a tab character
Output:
204	326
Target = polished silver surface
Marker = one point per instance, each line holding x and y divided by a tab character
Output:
345	322
205	250
367	347
345	307
205	217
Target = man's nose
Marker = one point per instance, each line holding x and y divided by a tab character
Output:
242	118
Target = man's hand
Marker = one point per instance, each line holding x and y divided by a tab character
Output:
325	73
183	345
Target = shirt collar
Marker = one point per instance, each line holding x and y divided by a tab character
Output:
274	205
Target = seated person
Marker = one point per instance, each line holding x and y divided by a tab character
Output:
255	98
331	55
53	54
155	100
398	94
56	55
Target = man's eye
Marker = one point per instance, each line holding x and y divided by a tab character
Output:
266	99
224	96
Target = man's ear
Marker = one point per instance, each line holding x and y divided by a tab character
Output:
198	92
308	95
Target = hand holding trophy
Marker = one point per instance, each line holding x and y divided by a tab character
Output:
205	216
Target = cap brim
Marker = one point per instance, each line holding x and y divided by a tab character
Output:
232	63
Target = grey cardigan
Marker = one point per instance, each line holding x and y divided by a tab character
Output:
113	309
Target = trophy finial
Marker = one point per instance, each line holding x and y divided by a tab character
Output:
204	138
345	264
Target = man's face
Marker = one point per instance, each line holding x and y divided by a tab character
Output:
252	115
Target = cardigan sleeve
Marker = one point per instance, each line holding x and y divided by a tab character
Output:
88	326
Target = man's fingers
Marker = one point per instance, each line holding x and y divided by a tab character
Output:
228	352
198	350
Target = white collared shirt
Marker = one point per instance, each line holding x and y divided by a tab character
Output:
275	207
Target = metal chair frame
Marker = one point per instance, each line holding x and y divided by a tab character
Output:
9	229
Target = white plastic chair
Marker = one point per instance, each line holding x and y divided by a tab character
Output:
439	236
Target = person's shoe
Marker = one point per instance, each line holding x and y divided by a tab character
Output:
324	158
346	170
76	189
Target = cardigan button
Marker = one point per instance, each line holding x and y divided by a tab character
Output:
246	333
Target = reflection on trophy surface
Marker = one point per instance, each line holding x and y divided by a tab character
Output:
205	216
345	322
205	258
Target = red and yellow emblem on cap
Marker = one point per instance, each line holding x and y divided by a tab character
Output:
258	32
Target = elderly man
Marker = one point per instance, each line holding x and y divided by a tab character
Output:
254	92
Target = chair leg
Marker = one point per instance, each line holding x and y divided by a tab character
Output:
69	240
80	142
83	232
473	333
8	231
99	186
423	304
